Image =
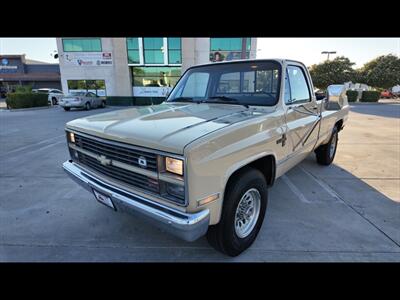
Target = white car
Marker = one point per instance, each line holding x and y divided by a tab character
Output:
54	94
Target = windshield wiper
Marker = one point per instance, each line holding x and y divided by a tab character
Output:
224	98
182	99
228	99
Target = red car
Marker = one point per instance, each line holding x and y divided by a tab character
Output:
386	94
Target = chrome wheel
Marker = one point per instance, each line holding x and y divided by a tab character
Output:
332	146
247	213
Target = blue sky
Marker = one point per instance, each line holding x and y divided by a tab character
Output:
307	50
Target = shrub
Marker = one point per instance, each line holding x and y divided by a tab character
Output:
26	100
370	96
352	95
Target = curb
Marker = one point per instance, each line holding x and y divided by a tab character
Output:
29	108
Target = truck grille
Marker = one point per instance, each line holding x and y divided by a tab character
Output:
115	152
120	154
135	179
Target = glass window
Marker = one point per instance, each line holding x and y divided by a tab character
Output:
196	85
228	48
132	45
98	87
174	51
153	50
298	85
82	45
251	83
229	83
156	76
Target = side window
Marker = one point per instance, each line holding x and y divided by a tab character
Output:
298	85
196	85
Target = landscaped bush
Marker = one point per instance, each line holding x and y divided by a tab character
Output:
352	95
26	100
133	101
370	96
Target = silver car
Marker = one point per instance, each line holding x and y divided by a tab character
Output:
86	100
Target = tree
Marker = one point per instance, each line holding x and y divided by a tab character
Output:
336	71
382	72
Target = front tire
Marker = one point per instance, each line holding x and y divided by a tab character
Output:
245	203
67	108
87	106
103	104
326	153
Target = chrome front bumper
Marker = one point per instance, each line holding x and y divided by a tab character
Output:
187	226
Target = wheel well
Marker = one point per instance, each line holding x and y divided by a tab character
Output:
339	125
266	165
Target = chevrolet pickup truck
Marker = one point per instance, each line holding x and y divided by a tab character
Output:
201	162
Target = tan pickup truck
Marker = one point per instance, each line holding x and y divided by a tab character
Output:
202	161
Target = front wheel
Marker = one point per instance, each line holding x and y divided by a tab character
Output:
245	203
326	153
87	106
103	104
67	108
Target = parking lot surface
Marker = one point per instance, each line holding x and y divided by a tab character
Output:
349	211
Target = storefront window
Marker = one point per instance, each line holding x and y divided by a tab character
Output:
132	45
97	87
155	76
82	45
228	48
174	51
153	50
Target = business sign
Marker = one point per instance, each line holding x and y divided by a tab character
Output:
5	68
151	91
88	59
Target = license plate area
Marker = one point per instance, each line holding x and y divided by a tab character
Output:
104	199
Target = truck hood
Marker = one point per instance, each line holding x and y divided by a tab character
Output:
166	127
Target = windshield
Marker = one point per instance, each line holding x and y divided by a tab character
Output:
76	94
245	83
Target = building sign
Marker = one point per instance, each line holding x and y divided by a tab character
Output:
88	59
5	68
151	91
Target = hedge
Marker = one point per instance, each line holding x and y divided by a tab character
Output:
26	100
352	95
133	101
370	96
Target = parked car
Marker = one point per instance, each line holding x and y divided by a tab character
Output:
387	94
86	100
202	161
54	94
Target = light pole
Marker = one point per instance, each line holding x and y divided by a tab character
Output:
328	52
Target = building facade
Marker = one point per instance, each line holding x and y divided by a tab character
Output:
140	67
16	70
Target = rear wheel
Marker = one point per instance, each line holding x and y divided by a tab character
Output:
245	203
54	100
103	104
67	108
87	106
326	153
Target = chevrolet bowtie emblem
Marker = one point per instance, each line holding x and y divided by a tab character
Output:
104	160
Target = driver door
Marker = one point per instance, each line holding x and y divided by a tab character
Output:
302	113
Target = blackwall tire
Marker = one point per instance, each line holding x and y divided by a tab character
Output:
326	153
225	236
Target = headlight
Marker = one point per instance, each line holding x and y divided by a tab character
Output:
174	165
72	137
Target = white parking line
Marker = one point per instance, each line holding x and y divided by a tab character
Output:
32	145
322	184
295	190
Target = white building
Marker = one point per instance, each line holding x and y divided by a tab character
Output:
142	67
